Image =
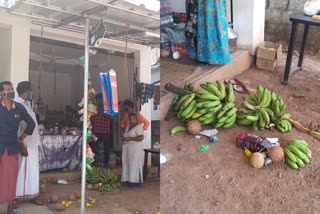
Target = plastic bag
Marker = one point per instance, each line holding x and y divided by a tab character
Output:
312	7
165	157
177	34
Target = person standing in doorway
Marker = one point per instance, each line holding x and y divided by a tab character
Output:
11	114
101	128
132	152
29	173
129	108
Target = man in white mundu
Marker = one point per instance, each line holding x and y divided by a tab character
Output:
28	177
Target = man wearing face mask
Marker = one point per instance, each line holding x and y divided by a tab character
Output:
11	114
28	176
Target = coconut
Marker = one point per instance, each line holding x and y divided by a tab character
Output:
194	127
60	207
257	160
43	189
78	194
54	198
165	53
89	186
96	186
276	154
72	197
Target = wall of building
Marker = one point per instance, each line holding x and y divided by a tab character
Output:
5	53
17	47
278	26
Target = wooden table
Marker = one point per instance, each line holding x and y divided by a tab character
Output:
296	19
146	157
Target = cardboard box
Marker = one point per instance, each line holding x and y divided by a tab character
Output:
267	55
266	64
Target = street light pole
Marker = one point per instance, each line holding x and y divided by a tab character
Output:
85	118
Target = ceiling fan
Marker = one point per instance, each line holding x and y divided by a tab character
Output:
53	58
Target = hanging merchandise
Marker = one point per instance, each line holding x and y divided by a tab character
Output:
92	110
166	21
109	90
144	91
191	22
156	97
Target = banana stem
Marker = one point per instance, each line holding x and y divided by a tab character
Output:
300	127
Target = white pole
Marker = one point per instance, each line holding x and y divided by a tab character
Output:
85	117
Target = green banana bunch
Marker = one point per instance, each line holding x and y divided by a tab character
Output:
217	89
213	104
189	87
227	116
264	109
283	126
298	154
277	105
105	188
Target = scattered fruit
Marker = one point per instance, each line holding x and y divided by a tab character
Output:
194	127
298	95
78	195
60	207
54	198
257	160
178	129
276	154
89	186
72	196
165	53
298	154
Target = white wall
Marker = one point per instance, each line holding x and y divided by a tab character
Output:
19	45
249	18
5	53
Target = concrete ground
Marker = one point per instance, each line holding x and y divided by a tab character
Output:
221	181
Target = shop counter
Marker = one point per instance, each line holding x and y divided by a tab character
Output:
57	151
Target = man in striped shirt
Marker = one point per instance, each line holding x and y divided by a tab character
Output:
101	128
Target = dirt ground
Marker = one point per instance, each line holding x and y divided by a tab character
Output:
127	200
233	186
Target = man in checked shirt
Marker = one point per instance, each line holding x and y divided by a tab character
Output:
101	128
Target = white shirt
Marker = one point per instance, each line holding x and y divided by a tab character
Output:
34	139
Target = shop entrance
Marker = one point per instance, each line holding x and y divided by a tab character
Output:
56	73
